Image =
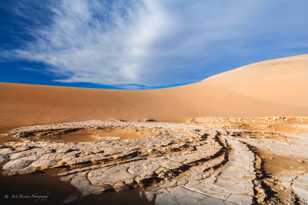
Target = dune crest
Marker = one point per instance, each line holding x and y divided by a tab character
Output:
275	87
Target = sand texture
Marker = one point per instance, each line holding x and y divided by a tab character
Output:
270	88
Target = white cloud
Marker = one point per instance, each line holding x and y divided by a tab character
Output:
156	42
88	42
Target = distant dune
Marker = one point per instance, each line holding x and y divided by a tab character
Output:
275	87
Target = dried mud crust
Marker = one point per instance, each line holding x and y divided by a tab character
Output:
176	163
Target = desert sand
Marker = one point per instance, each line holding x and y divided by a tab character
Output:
239	137
275	87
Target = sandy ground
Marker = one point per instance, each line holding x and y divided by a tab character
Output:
276	87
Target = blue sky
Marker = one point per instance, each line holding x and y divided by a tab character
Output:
143	43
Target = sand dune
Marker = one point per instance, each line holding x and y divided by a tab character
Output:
210	160
276	87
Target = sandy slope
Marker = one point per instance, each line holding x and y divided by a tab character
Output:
277	87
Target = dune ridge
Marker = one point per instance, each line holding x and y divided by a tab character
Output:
275	87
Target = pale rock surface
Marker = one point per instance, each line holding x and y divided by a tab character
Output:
193	163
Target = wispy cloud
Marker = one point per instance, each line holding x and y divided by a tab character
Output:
96	41
159	42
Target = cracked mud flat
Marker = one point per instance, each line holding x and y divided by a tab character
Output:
205	161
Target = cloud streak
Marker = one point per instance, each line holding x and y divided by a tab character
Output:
95	41
159	42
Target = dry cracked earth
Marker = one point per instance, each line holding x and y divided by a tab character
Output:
204	161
